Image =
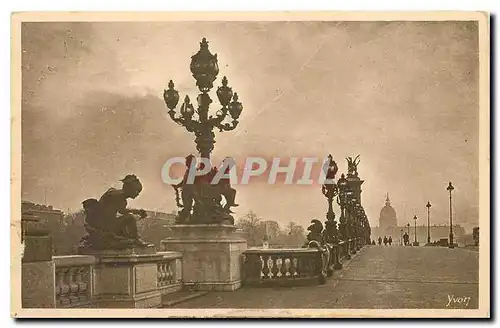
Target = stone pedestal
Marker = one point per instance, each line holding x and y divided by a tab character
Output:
129	278
38	284
212	255
37	272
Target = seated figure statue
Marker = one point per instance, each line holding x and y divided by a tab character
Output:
201	199
109	224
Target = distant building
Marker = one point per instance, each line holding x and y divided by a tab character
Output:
46	214
167	218
388	218
388	226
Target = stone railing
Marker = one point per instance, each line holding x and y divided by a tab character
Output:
283	266
286	267
169	272
74	280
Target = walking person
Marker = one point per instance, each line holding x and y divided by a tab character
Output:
379	241
390	241
385	241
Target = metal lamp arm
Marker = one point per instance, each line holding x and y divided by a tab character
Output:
228	126
217	120
190	124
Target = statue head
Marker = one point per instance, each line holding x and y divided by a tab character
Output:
132	187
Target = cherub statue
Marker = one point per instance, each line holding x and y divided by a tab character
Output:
109	223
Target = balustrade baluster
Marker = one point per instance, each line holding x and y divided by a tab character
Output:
159	274
73	286
59	285
253	267
63	287
82	284
284	266
293	266
274	269
170	272
265	269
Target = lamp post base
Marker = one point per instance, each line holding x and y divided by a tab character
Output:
212	255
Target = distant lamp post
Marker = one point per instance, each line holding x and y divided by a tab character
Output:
428	222
450	189
401	238
416	242
408	225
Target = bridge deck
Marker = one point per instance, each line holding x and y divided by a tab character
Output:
377	277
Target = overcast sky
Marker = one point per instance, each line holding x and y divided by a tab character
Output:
404	95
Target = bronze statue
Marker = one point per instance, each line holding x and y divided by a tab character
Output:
330	233
352	166
315	240
225	188
330	190
201	200
109	224
315	232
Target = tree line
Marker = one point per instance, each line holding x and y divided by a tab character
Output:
67	232
257	230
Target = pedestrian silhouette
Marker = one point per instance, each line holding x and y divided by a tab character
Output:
385	241
406	239
379	241
390	240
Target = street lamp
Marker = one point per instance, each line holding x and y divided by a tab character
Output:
450	189
330	191
204	68
415	219
342	201
350	220
428	222
401	237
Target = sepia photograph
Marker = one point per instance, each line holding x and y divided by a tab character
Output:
218	165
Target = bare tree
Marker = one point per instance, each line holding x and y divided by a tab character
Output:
250	224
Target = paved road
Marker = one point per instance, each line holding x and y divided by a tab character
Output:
378	277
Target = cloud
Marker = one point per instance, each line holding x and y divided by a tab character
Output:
404	95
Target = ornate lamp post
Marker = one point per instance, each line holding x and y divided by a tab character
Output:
341	200
428	222
330	191
415	219
357	223
450	189
350	219
204	68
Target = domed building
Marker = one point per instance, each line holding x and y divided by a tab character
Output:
388	218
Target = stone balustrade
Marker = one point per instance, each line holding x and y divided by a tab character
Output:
169	272
74	280
287	267
283	266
